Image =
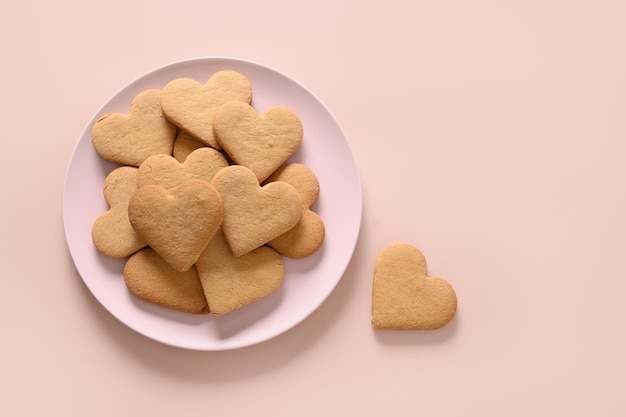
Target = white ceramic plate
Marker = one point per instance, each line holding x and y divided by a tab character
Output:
308	282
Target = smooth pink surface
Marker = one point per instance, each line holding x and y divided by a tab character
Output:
489	134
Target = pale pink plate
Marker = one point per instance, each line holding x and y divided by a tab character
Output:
307	283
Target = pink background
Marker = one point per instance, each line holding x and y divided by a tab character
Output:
489	134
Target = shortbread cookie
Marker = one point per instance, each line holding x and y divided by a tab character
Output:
167	172
307	236
151	279
260	142
404	298
177	223
112	233
191	105
254	215
231	282
128	139
302	240
184	145
302	178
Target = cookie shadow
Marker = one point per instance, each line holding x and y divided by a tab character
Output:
302	266
167	314
419	337
238	320
113	266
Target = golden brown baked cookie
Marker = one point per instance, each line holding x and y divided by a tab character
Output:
112	233
302	178
302	240
151	279
260	142
128	139
307	236
191	105
184	145
254	215
177	223
167	172
231	282
404	298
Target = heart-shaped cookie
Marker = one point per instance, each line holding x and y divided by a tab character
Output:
184	145
150	278
254	215
307	236
112	233
404	298
231	282
302	240
129	139
302	178
167	172
177	223
191	105
260	142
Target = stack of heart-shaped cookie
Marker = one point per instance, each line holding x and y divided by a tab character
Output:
205	203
